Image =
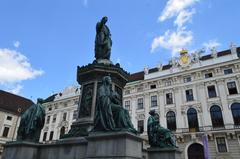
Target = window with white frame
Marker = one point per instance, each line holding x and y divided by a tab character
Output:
189	95
140	103
153	101
232	88
211	91
221	144
228	71
187	79
127	104
169	98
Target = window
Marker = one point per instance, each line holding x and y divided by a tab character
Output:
235	108
221	144
140	103
76	102
127	92
208	75
44	136
48	119
141	126
127	104
169	99
153	101
5	132
216	116
50	108
9	118
51	135
64	116
228	71
189	95
75	114
171	121
232	89
62	131
54	118
153	86
139	89
187	79
192	120
211	91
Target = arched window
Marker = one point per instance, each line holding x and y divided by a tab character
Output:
192	120
62	131
236	113
171	121
216	116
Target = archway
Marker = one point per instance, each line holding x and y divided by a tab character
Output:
195	151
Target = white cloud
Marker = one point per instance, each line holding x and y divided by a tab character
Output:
174	7
16	89
172	40
16	44
210	44
118	60
183	17
15	67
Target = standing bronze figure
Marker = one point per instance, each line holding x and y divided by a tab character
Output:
103	41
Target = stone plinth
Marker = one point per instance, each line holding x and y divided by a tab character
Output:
163	153
90	79
114	145
74	148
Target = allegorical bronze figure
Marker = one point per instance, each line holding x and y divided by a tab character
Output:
32	122
103	41
157	135
110	115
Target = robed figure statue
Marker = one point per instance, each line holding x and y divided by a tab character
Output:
157	135
103	42
110	115
32	122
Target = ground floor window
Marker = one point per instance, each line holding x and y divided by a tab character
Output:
221	144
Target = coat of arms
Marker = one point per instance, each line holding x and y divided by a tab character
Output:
185	59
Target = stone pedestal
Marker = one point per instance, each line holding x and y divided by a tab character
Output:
90	78
74	148
163	153
114	145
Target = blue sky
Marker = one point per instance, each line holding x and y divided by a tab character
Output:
42	41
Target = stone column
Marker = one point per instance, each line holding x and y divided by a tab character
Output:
146	109
201	93
178	103
162	108
227	115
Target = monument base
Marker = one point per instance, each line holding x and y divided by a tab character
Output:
166	153
72	148
114	145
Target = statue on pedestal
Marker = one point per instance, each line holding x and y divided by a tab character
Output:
32	122
103	41
157	135
110	115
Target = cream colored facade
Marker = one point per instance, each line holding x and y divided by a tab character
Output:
11	122
200	74
60	113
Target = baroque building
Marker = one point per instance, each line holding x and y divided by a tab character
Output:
196	96
11	108
61	111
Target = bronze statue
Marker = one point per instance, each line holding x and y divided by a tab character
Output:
110	115
103	42
157	135
32	121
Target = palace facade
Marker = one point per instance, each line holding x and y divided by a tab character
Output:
61	111
196	96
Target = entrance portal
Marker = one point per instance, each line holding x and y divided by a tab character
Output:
195	151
